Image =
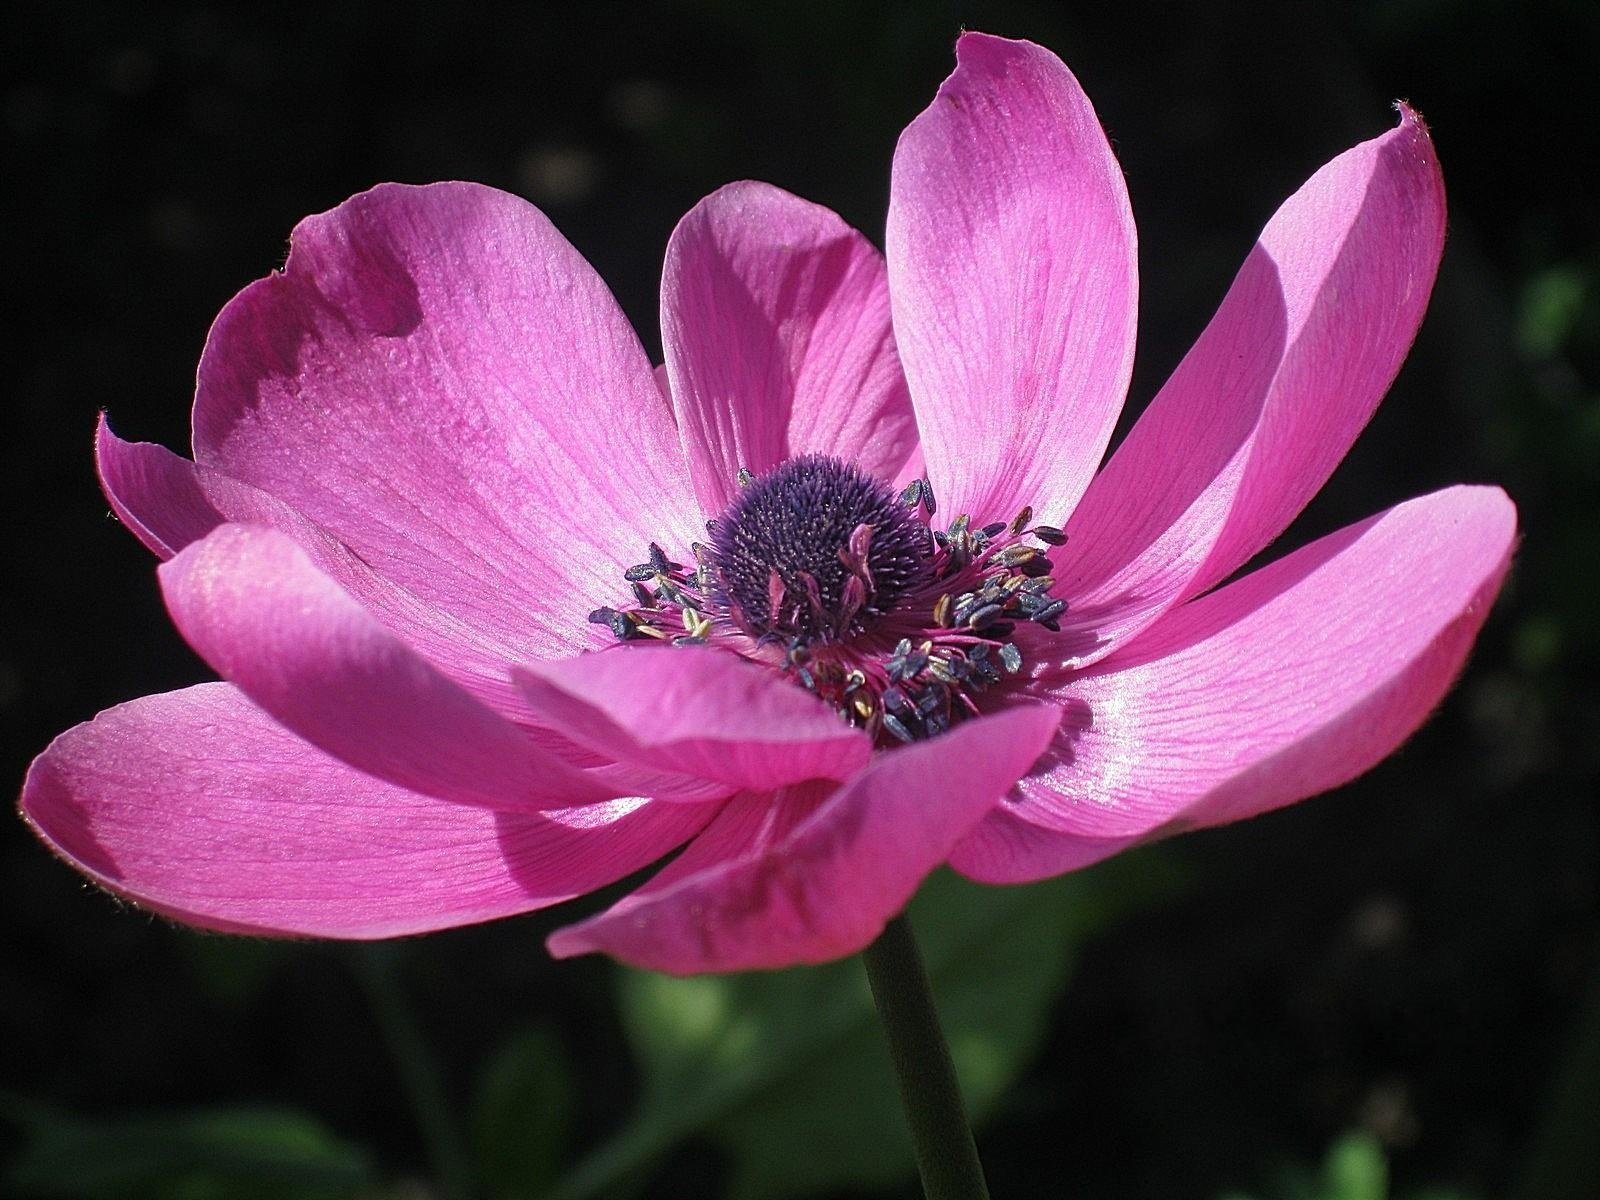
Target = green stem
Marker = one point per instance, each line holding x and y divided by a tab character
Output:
419	1073
947	1157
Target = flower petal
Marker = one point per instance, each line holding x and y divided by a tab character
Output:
775	323
198	805
802	876
1288	682
698	711
1013	272
1270	398
256	608
1006	847
441	381
169	502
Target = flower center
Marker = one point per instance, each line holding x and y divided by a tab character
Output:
818	550
821	572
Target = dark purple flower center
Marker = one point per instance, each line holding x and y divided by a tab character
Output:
816	549
821	572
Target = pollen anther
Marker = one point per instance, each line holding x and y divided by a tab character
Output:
829	577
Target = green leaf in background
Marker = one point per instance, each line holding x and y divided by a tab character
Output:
520	1116
1355	1168
1551	303
787	1072
206	1154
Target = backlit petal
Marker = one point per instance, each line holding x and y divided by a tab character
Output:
775	321
440	380
1270	398
198	805
1013	274
695	710
1288	682
803	876
254	606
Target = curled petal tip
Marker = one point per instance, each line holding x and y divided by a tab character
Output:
1410	117
1413	128
973	39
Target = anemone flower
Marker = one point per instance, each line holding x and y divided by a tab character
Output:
835	596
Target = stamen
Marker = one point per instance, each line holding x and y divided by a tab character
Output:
827	576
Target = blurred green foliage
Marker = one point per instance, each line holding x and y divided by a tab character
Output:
787	1072
1356	1168
212	1154
522	1115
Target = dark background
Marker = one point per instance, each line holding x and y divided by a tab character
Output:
1413	957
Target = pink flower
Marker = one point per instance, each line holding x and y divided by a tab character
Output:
434	474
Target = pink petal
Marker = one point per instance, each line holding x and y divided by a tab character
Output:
802	876
914	468
698	711
1270	398
1006	847
169	502
1013	272
254	606
775	322
441	381
1293	680
198	805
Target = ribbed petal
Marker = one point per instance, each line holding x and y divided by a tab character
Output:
169	502
1270	398
441	381
803	876
1008	848
698	711
775	322
1013	273
198	805
254	606
1293	680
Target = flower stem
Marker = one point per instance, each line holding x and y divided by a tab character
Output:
419	1072
947	1157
